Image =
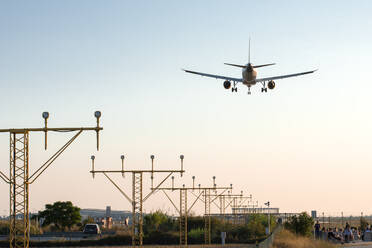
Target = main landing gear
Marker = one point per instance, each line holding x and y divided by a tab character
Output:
249	90
234	88
264	88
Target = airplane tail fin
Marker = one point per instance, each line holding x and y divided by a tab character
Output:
241	66
258	66
249	51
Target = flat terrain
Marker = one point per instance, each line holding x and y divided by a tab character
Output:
176	246
358	245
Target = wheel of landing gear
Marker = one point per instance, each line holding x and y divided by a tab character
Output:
265	89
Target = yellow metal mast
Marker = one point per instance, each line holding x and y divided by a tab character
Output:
184	211
19	177
137	199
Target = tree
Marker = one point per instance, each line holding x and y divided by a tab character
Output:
62	214
363	224
157	222
301	224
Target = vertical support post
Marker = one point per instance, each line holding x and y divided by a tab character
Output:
122	157
207	216
182	157
235	210
137	217
183	217
19	190
152	171
222	207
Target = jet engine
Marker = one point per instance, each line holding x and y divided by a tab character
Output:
227	84
271	85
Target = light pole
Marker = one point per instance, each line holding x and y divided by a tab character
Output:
268	215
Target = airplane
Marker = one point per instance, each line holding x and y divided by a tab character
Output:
249	76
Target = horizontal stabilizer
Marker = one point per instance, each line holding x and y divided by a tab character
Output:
257	66
241	66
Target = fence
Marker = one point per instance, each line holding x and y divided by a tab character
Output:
270	240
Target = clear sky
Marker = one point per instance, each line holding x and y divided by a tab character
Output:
303	146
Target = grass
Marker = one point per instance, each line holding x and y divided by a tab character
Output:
286	239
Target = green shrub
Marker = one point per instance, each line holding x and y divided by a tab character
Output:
196	236
301	225
158	222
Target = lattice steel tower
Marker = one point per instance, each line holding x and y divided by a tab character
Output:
19	178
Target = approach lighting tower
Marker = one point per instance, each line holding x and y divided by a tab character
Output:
208	199
236	204
137	199
184	211
19	176
225	202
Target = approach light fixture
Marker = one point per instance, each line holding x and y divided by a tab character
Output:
122	165
92	158
45	115
182	157
97	114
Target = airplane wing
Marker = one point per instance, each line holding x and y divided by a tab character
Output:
283	76
215	76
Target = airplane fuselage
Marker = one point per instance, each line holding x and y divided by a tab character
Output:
249	75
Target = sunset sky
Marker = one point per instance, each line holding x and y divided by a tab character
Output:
303	146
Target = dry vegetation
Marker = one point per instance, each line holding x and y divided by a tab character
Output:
286	239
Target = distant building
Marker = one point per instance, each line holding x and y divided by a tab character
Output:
108	211
313	214
101	213
252	210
